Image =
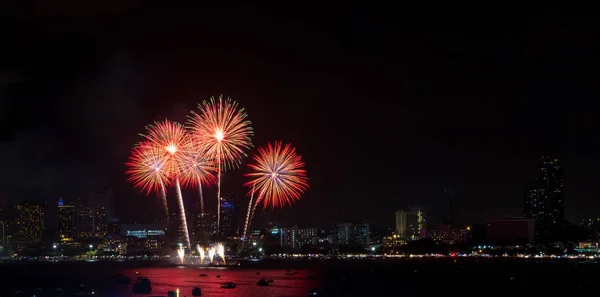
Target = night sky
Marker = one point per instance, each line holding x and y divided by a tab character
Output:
388	106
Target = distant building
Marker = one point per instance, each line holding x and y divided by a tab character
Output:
411	224
229	222
104	198
100	222
85	222
544	199
353	233
511	231
29	222
203	226
143	230
67	221
296	237
447	235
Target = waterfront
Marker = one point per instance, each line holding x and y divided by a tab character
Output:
468	277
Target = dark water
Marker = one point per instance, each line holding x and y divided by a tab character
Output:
333	278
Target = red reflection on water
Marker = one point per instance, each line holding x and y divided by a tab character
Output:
185	278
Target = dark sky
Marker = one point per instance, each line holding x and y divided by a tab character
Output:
389	106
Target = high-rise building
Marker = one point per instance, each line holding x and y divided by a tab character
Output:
296	237
85	222
229	220
29	222
544	199
67	221
100	221
411	224
353	233
105	199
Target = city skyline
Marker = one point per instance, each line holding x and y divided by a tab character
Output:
425	110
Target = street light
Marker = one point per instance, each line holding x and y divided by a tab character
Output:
54	246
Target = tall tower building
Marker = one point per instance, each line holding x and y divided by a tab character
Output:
67	221
411	224
29	222
229	216
544	199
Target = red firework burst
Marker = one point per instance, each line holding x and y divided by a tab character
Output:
222	129
145	168
278	175
197	168
174	142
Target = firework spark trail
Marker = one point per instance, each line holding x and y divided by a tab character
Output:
163	198
182	214
218	194
221	252
211	253
201	253
248	215
278	174
181	254
222	128
201	198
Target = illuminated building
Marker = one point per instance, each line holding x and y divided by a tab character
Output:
544	199
67	221
352	233
445	234
296	237
100	222
104	199
511	231
411	224
85	222
393	241
144	237
143	230
29	222
229	222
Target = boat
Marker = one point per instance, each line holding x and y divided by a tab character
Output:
262	283
228	285
196	291
142	286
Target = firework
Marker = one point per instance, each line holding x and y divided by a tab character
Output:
197	170
173	141
211	254
181	254
201	253
222	129
145	170
278	175
220	249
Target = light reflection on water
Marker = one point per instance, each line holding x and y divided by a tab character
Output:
185	278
